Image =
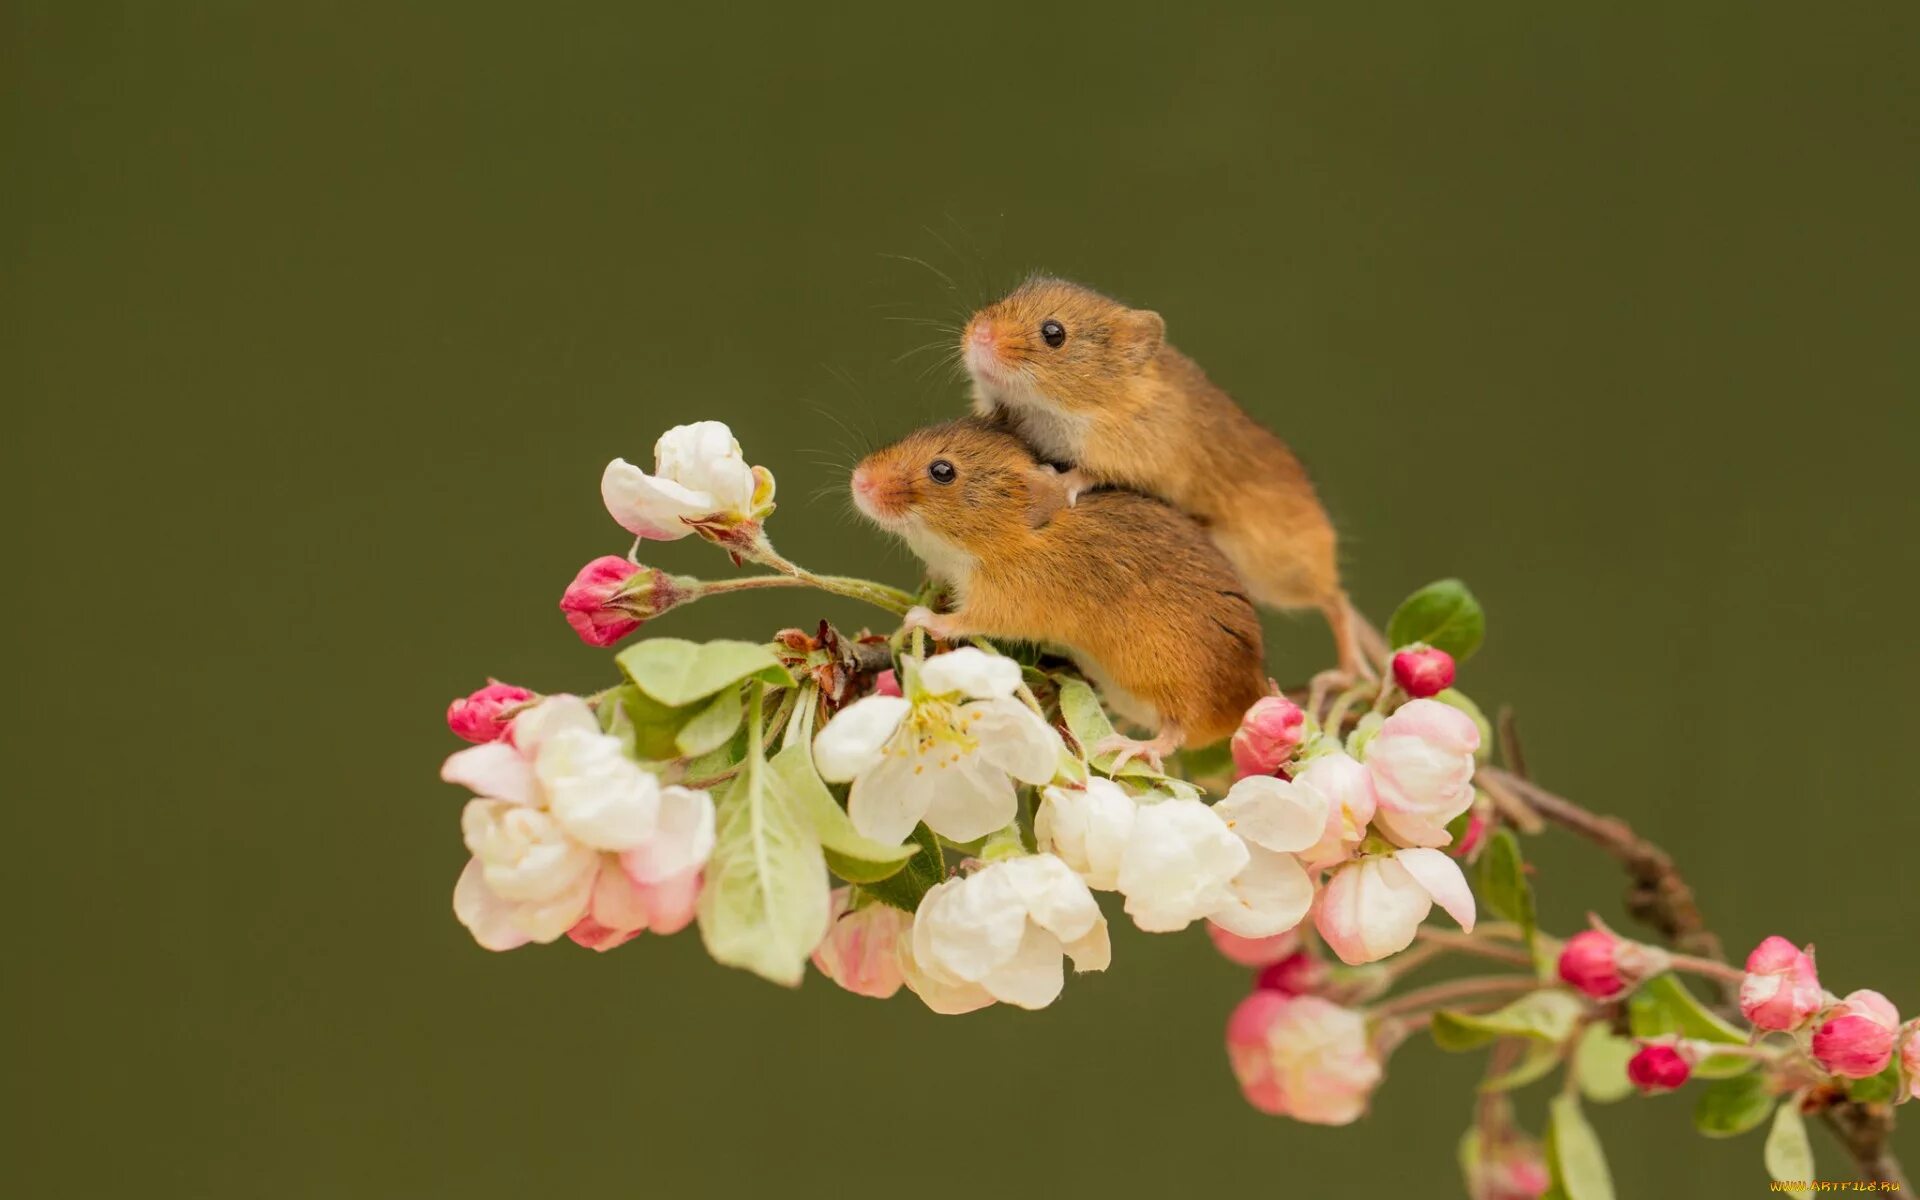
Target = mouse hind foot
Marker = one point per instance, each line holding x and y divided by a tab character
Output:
1151	751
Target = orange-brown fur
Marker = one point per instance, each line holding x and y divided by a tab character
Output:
1123	407
1126	584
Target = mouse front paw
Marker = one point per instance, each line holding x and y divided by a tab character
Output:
940	625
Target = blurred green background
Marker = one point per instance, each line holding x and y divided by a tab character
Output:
318	322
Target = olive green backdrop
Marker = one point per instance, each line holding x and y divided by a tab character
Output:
319	321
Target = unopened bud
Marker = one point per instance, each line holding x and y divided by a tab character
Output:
1661	1066
1423	671
611	597
478	718
1856	1038
1268	735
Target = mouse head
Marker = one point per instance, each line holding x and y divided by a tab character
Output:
964	483
1054	341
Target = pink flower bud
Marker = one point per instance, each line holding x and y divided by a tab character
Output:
1856	1038
1781	991
1660	1066
1268	735
1302	1057
1517	1178
1298	974
477	717
887	683
1423	671
611	597
1253	952
861	949
1603	965
1470	838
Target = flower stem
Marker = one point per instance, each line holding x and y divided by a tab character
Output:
1706	966
1468	943
1455	989
878	594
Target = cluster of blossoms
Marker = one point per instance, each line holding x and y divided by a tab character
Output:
941	822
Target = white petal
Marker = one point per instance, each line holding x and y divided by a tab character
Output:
887	800
1055	898
1091	951
1087	828
617	902
1440	875
1369	909
971	671
854	740
682	839
598	794
552	716
948	997
973	928
494	770
1014	738
1033	977
486	916
1178	862
649	507
548	920
1274	813
704	458
1271	895
1406	829
965	799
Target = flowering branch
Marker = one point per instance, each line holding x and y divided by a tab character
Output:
969	800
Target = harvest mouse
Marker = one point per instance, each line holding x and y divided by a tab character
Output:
1092	383
1129	587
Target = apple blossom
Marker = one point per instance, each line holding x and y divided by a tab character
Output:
1268	735
620	908
1179	860
999	934
1422	764
1253	952
1302	1057
1855	1038
861	949
1423	671
1372	907
611	597
1088	828
887	683
1661	1066
1910	1058
1516	1169
1604	965
948	753
554	803
478	717
1341	787
1781	990
700	478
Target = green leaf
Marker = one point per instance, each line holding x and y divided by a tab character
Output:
1540	1058
765	903
1788	1153
1547	1015
1578	1163
677	672
1733	1106
1087	721
1444	615
1600	1064
1663	1005
1500	879
904	888
851	855
1876	1089
711	726
649	729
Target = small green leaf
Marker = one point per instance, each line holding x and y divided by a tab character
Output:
1730	1107
1788	1153
1600	1065
649	729
1443	615
677	672
712	725
1876	1089
1578	1163
851	855
1663	1005
1547	1015
904	888
1501	880
1540	1058
764	906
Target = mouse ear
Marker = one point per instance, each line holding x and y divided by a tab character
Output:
1140	335
1047	494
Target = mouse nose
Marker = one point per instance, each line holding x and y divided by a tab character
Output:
980	336
862	482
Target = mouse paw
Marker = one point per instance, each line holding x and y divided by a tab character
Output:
1075	482
940	625
1124	749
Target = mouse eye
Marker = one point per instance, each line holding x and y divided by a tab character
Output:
1053	332
941	471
